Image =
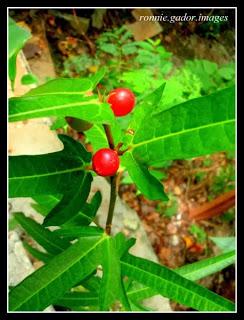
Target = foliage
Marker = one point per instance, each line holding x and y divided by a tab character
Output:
224	180
17	37
75	253
198	232
144	65
170	208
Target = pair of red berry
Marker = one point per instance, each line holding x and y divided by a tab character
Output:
105	162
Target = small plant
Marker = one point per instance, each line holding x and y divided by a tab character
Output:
198	232
224	180
87	267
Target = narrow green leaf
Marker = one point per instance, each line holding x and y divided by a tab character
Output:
47	239
135	306
203	268
49	173
96	135
12	69
150	186
17	36
71	203
61	98
52	281
77	232
58	123
169	284
98	76
77	299
92	283
42	256
87	213
111	289
193	128
193	272
138	292
45	203
143	109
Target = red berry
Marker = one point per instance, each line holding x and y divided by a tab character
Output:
122	101
105	162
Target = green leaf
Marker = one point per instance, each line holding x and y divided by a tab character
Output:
17	36
111	288
146	183
61	98
98	76
139	307
97	137
52	281
29	79
42	256
71	203
169	284
138	292
197	127
47	239
109	48
227	71
77	232
224	243
87	213
92	283
60	122
204	268
145	45
49	173
144	108
77	299
193	272
12	69
45	203
198	232
129	48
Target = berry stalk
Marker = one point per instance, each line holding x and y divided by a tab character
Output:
113	195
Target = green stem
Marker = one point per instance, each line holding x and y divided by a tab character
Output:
113	194
109	136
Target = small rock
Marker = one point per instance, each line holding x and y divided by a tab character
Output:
177	191
131	224
146	209
174	240
178	216
165	254
171	228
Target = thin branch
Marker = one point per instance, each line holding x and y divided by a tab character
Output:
113	194
109	136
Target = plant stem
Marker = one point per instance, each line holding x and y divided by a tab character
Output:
113	194
109	136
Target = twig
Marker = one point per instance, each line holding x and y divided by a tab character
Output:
89	42
113	194
109	136
210	209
